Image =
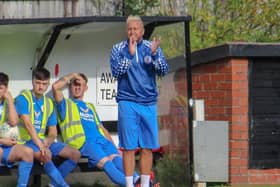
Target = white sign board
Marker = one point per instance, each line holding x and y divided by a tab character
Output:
106	86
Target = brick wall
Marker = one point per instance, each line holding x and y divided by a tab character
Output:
223	85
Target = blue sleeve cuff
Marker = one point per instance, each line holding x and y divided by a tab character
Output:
129	56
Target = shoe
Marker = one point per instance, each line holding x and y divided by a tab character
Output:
153	180
156	184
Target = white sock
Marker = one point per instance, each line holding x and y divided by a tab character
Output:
129	181
145	180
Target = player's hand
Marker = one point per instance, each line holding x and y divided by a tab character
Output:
43	149
45	155
8	96
47	142
9	141
155	45
132	45
76	78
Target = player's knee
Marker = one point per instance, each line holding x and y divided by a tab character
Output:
27	154
73	154
129	152
76	155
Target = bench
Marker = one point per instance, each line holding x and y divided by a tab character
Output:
37	170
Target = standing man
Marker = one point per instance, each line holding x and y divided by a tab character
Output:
135	63
81	128
10	151
38	116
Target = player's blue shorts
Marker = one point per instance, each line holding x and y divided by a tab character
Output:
137	125
6	152
55	148
95	150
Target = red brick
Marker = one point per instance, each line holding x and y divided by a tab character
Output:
204	78
239	110
224	86
223	117
210	102
224	67
238	179
239	127
226	101
211	86
255	171
228	77
239	123
244	154
237	118
239	135
235	153
272	179
243	170
239	93
197	86
216	110
216	117
234	171
228	111
240	76
195	78
238	68
238	162
278	178
218	77
240	101
243	61
210	68
238	145
201	94
270	171
240	85
260	179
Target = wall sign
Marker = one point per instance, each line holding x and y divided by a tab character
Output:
106	86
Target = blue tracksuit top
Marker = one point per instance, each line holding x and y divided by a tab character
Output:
136	74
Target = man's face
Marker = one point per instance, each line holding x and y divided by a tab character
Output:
3	90
135	30
77	88
40	86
